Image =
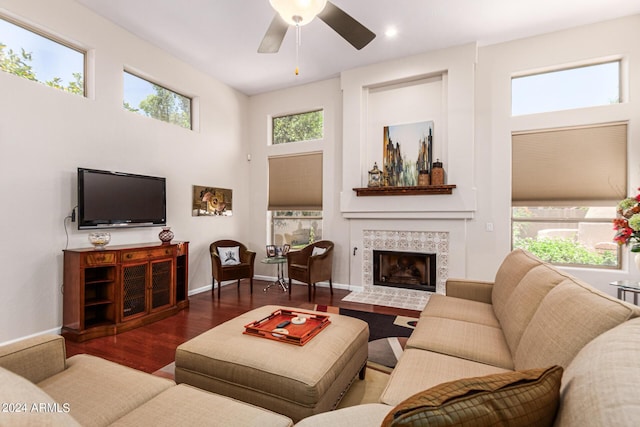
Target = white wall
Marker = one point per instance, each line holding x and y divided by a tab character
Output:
45	134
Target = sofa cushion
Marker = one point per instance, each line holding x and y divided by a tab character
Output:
184	404
513	268
571	315
99	391
369	414
460	309
24	404
600	386
472	341
419	370
524	301
521	398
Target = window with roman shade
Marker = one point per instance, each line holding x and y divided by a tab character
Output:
565	186
295	199
577	165
295	182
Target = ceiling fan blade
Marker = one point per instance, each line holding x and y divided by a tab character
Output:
274	35
351	30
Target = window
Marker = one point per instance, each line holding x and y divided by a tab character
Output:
298	127
566	184
152	100
565	89
40	58
296	228
295	182
295	198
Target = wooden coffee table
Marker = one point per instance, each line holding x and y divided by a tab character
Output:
293	380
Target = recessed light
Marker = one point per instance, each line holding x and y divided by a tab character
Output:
391	32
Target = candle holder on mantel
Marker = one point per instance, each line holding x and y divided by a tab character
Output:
423	178
437	173
375	176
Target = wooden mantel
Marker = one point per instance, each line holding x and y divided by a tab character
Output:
405	191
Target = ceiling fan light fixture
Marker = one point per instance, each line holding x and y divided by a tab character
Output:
298	12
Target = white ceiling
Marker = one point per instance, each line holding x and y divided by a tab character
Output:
221	37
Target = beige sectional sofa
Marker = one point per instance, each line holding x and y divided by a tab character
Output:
531	316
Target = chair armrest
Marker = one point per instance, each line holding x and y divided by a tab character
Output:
248	257
475	290
297	257
215	259
35	358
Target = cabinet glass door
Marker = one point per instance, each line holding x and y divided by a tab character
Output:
134	281
161	283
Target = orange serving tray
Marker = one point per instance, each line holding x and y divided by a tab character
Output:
298	334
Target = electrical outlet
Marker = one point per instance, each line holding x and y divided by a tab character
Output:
489	227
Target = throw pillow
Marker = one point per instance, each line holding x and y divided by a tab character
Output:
230	255
520	398
318	251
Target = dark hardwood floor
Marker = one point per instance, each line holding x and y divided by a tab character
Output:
153	346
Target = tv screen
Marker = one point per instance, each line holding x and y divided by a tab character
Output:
117	199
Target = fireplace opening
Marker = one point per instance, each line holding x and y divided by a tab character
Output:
410	270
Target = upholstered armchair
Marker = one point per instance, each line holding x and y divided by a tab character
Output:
311	264
230	260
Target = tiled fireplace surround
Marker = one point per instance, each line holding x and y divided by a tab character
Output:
404	241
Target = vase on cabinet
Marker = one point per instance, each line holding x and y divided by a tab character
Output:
166	235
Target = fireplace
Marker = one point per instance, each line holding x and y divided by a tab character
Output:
409	270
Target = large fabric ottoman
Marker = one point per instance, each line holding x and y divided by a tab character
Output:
296	381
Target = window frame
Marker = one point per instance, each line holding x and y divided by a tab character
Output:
154	82
60	41
583	65
298	151
280	116
273	218
554	146
566	220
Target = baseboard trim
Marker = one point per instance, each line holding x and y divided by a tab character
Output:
54	331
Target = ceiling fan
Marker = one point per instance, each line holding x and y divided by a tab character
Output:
301	12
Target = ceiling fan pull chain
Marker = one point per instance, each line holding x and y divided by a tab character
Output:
297	48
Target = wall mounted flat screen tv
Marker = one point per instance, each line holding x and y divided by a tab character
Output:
116	199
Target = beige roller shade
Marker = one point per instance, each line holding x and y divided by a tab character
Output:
295	182
579	165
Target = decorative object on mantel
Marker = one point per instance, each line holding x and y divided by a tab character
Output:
627	225
437	173
375	176
99	239
407	153
211	201
166	235
423	178
405	191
